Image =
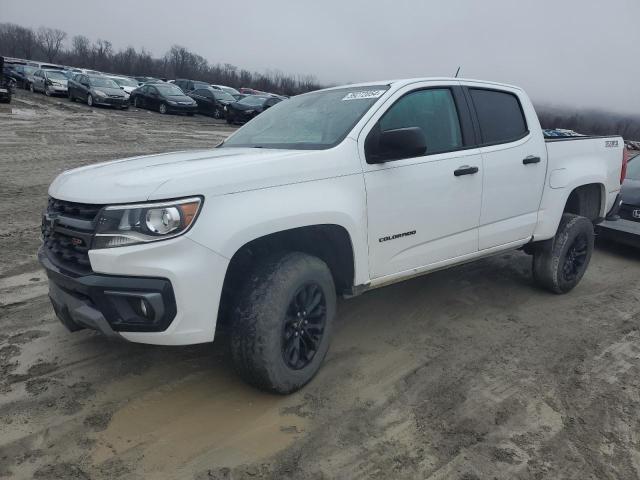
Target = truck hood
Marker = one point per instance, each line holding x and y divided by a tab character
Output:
208	172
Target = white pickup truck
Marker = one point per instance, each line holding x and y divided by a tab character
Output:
334	192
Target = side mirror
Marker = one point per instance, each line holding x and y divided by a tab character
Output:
383	146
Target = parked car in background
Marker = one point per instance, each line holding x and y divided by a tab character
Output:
164	97
189	85
211	101
49	82
127	84
229	90
143	80
6	83
249	91
97	90
23	75
247	108
626	229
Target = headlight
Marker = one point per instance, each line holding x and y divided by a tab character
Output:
100	94
249	112
171	102
123	225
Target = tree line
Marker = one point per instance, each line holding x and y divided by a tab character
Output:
55	46
590	122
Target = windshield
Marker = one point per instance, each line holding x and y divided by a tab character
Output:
220	95
312	121
230	90
168	89
56	75
253	101
102	82
633	168
125	82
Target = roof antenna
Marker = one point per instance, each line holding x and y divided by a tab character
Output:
457	72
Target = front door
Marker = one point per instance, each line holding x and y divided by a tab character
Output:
425	209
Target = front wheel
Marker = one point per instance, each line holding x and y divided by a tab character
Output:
560	263
282	323
90	100
46	91
31	88
163	108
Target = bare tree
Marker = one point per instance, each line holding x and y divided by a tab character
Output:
80	49
50	40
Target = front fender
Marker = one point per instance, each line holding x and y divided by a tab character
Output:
228	222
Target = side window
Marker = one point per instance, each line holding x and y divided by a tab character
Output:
434	111
500	115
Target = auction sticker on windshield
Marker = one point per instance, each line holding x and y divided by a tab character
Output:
364	94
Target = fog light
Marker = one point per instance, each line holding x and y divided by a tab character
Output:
143	307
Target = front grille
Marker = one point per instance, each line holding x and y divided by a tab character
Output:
626	212
67	231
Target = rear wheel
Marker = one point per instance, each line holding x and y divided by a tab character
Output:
71	97
282	323
560	263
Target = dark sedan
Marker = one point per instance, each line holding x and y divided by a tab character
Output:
163	97
22	74
96	90
627	228
249	107
211	101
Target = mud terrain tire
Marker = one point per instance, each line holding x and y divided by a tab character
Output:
560	263
268	314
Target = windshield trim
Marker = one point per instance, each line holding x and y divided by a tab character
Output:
311	145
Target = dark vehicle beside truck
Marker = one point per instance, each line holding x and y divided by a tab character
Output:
97	90
163	97
626	229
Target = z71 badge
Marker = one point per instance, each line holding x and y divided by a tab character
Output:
611	143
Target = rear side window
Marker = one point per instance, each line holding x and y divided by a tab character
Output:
500	115
434	111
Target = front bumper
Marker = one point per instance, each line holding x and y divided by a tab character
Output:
109	304
182	108
178	268
111	102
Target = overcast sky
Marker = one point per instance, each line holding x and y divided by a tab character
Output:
581	53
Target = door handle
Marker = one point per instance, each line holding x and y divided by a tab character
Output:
531	159
465	170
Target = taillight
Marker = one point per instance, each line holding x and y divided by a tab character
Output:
625	161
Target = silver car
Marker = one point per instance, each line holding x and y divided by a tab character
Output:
49	82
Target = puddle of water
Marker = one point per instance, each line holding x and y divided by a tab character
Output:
205	420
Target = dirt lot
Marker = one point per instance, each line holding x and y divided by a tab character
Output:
469	373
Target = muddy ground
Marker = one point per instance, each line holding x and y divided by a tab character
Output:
469	373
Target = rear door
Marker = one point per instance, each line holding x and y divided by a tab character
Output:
424	210
515	163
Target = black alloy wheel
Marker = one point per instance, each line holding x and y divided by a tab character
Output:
304	326
575	258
